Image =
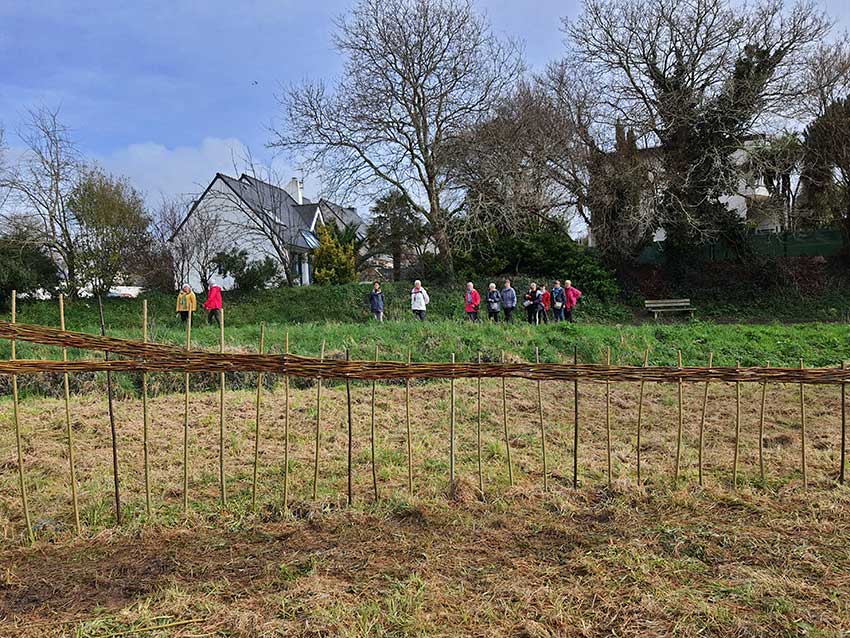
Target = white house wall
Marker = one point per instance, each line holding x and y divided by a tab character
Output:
222	201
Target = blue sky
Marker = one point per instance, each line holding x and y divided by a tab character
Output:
164	91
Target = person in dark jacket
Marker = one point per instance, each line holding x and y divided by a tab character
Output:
533	303
508	300
494	302
376	301
559	301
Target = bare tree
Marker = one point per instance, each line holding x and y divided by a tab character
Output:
697	78
205	233
417	74
258	209
41	183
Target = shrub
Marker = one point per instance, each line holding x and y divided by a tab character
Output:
248	275
543	255
335	263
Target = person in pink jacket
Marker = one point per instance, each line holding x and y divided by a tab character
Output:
573	295
473	302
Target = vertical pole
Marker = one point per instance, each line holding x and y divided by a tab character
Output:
478	434
608	415
318	425
69	433
843	427
221	479
286	433
702	422
186	421
542	426
452	431
761	427
679	430
350	434
640	413
109	398
737	427
575	418
407	421
21	477
803	431
372	438
145	418
505	425
257	421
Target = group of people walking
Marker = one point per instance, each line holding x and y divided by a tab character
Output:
501	304
187	303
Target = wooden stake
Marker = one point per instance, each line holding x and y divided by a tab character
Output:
608	415
186	421
372	439
145	418
69	433
679	430
257	421
702	423
452	432
350	436
221	479
505	425
286	434
737	428
542	426
640	413
761	426
318	425
843	428
109	398
803	431
407	420
575	418
478	436
22	483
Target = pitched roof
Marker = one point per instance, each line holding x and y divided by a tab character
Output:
276	203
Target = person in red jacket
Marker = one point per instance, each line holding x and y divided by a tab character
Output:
547	303
573	295
473	301
213	305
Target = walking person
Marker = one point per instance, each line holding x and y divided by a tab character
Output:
559	301
376	301
546	302
573	295
186	302
473	302
213	305
494	302
508	300
533	303
419	300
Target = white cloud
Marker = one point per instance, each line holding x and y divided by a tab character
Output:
157	170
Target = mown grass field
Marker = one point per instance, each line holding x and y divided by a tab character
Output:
765	559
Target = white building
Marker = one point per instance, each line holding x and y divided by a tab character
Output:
265	220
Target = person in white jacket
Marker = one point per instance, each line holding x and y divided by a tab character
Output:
418	300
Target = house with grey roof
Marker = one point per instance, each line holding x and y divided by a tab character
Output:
261	218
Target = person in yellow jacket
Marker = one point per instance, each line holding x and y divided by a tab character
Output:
186	303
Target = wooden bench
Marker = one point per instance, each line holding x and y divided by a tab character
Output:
656	306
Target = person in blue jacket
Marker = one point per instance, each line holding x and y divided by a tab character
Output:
376	301
508	300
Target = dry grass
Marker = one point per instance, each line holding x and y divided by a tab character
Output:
766	559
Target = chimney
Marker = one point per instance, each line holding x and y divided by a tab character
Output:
294	188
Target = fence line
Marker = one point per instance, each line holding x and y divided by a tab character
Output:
146	357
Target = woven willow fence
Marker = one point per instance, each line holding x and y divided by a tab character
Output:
145	357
